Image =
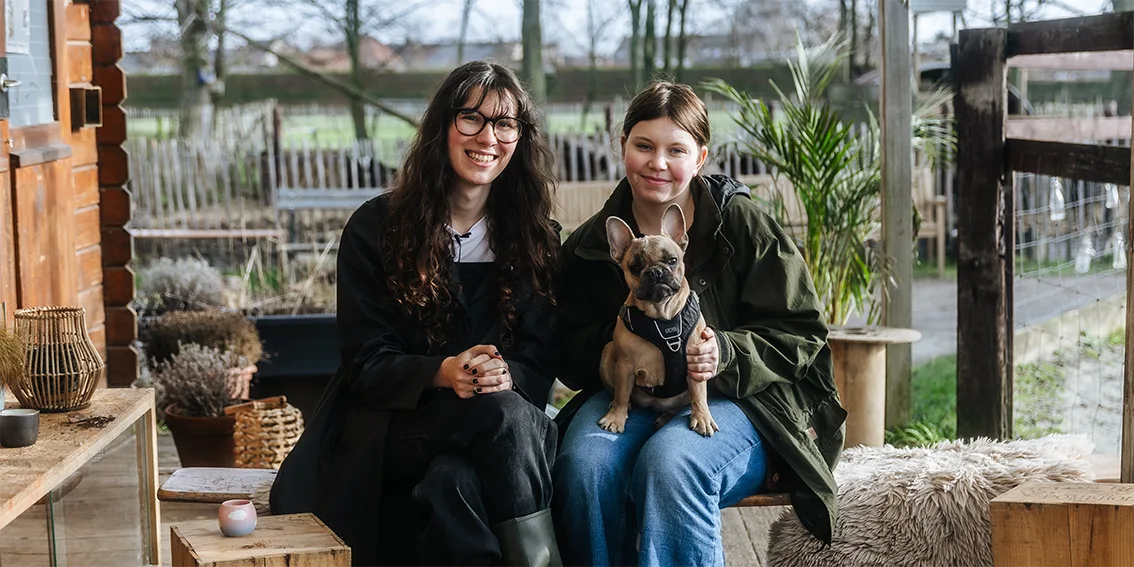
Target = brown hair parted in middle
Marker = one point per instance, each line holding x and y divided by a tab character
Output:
417	249
676	101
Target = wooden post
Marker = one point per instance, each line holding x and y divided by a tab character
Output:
897	199
1126	469
984	277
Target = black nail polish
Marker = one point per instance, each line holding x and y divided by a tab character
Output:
478	390
474	371
466	367
474	381
496	354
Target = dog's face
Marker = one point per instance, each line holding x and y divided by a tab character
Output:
654	266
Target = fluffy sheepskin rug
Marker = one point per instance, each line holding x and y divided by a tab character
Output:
926	506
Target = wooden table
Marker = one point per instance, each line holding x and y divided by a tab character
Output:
859	356
66	442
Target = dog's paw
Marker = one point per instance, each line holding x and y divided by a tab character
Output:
662	420
614	421
702	422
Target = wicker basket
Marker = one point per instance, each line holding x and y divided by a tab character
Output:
265	432
61	365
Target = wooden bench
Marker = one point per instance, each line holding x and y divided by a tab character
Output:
294	201
211	485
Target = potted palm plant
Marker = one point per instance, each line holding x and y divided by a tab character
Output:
835	175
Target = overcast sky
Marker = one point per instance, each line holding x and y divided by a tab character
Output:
564	20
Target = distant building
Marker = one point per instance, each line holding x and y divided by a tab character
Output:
722	50
438	56
372	54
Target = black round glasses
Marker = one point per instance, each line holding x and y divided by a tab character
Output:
470	122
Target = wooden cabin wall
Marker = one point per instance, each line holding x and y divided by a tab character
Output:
109	181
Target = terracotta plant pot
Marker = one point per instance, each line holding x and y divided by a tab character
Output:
202	441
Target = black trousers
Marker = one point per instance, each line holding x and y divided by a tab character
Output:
467	465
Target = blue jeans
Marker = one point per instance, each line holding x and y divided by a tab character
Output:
652	498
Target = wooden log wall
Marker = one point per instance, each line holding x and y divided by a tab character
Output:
109	181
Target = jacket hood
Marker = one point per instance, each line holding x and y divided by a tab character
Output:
719	187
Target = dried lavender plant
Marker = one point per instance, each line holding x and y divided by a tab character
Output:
214	328
196	380
182	284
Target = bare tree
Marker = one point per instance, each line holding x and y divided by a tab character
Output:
194	18
635	42
532	40
355	20
650	41
596	26
466	12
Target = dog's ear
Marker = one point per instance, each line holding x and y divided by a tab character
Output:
619	235
673	225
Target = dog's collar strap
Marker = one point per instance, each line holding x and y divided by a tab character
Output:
670	337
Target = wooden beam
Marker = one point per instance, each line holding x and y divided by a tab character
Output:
1094	129
984	290
897	199
1126	451
1088	162
1105	32
1096	61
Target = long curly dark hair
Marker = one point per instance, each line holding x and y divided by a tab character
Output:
418	248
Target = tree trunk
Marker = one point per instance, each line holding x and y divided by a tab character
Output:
650	44
353	36
592	70
464	31
854	37
635	43
682	38
196	105
220	67
667	61
843	17
533	51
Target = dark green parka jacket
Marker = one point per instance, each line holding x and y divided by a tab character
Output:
757	295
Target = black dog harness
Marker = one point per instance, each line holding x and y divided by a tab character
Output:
671	338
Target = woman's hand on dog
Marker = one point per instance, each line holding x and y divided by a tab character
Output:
702	359
478	370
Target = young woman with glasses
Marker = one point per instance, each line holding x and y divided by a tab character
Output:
431	444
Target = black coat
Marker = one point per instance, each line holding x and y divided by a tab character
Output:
336	468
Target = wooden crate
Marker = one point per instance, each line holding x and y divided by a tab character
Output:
1063	524
294	540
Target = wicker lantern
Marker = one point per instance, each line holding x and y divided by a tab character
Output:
62	367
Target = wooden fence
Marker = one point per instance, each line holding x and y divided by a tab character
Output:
301	196
989	152
187	189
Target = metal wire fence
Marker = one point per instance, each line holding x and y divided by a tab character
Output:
1069	296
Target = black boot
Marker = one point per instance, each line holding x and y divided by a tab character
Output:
529	540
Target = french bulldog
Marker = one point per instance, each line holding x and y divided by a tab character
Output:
645	363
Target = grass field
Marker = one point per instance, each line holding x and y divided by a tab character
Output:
336	128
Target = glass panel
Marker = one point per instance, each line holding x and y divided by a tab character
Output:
96	521
29	61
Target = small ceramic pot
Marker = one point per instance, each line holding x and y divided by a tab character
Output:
19	427
236	517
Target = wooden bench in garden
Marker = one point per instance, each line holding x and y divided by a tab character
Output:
211	485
